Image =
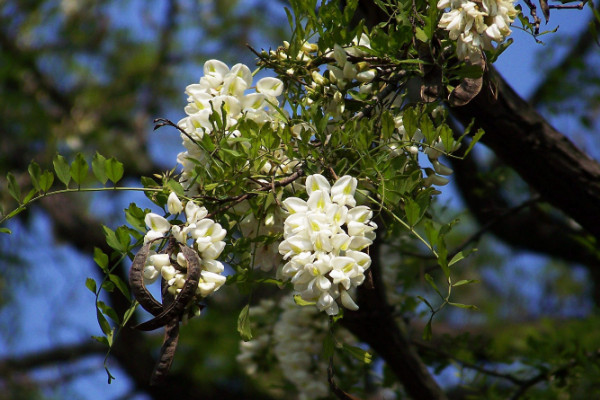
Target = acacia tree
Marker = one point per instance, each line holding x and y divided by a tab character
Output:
315	187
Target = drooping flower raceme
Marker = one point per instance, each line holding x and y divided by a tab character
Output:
474	25
294	337
324	237
223	91
201	233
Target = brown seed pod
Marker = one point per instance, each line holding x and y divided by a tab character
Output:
176	308
136	281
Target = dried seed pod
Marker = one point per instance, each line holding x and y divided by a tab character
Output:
136	281
176	308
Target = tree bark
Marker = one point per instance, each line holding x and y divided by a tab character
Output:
546	159
375	324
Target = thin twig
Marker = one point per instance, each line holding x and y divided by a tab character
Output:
506	214
469	365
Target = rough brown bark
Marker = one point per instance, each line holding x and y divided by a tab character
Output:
375	324
546	159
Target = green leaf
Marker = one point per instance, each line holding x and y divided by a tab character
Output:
5	230
62	169
29	196
129	312
413	212
13	187
91	285
101	259
447	137
108	311
108	286
35	172
301	302
46	181
428	129
99	168
243	325
464	282
460	255
101	339
431	282
431	233
457	257
122	286
387	125
104	325
358	353
475	139
122	234
466	306
427	331
176	187
421	35
135	216
409	120
15	212
111	238
114	170
79	169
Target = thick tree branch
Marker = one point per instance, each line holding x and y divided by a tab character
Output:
547	160
530	229
55	355
375	324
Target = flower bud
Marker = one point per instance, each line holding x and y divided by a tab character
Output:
174	204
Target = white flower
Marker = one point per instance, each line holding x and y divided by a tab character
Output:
272	87
194	213
343	190
474	25
158	225
174	204
323	237
215	68
208	243
347	301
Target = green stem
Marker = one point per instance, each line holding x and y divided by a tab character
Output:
401	222
24	206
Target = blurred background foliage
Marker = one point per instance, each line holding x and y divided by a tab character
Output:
91	76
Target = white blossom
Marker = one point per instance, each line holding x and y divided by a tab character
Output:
322	239
206	237
174	204
474	25
229	90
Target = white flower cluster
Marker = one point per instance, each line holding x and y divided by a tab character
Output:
299	335
475	24
294	335
324	237
207	237
225	89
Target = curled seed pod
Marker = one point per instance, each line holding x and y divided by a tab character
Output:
136	281
167	352
176	308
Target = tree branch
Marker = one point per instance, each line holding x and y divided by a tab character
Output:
375	324
55	355
547	160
